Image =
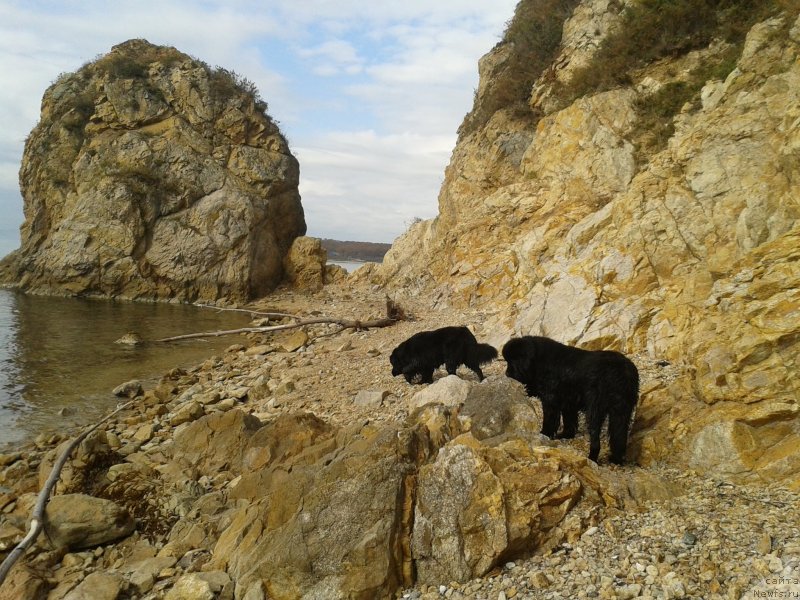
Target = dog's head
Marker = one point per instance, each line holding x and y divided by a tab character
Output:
519	354
396	358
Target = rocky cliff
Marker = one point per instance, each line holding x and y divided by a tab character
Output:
639	192
151	175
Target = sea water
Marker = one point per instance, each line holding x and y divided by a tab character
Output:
59	363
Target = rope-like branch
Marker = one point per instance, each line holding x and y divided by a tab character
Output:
37	516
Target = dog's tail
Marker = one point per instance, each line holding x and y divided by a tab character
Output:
484	353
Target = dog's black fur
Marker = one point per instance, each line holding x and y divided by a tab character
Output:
425	351
567	380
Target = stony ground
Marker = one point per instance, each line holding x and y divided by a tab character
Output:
711	540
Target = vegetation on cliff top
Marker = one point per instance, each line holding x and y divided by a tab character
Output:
656	29
650	31
135	60
534	34
653	30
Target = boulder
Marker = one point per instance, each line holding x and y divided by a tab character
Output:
151	175
499	406
305	263
99	585
450	391
216	441
329	529
477	505
24	584
78	521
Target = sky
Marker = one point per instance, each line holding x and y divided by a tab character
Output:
368	93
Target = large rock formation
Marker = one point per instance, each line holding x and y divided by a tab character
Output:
584	217
358	512
151	175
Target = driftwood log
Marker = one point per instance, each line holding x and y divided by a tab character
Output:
394	313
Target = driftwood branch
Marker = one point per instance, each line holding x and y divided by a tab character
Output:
258	313
394	313
345	324
37	516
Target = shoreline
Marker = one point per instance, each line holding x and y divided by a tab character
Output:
344	380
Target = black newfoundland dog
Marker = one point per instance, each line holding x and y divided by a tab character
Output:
601	383
423	352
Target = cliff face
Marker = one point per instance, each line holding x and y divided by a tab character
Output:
150	175
656	215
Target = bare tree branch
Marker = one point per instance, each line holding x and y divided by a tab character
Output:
394	313
345	324
37	516
276	315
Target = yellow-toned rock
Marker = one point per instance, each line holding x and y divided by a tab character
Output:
556	226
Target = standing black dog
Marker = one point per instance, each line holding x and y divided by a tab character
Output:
567	380
423	352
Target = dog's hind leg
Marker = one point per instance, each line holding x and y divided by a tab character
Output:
618	425
595	416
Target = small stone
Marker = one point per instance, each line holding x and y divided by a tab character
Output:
144	433
97	586
191	587
7	459
113	440
238	393
129	389
286	386
689	539
295	341
631	590
207	398
764	544
130	339
226	404
259	350
538	580
188	412
369	398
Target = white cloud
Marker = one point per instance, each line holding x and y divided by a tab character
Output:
334	57
389	180
369	93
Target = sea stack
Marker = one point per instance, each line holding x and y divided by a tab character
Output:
151	175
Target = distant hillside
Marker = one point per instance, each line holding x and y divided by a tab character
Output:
367	251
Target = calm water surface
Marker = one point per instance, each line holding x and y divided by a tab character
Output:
60	352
